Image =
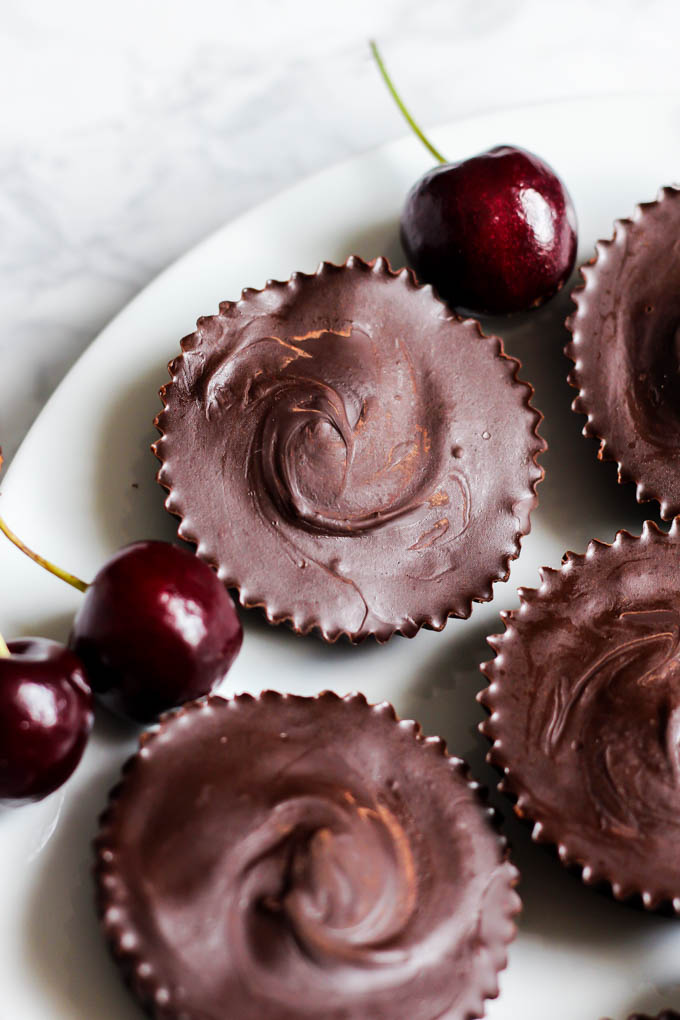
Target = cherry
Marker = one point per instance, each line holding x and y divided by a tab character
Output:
493	233
156	627
45	717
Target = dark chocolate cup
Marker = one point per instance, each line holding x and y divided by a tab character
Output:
291	858
625	351
348	454
584	713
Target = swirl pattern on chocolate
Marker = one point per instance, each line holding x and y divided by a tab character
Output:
349	454
288	857
584	699
626	349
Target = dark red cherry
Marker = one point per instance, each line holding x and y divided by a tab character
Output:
494	233
156	628
45	717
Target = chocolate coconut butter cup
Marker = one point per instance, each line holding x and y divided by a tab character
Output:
348	454
283	857
584	703
626	350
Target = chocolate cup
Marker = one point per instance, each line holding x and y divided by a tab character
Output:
348	454
291	858
625	352
584	713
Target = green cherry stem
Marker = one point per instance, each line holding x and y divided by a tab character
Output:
71	579
398	100
4	650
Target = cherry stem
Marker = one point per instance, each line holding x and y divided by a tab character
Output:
71	579
398	100
4	650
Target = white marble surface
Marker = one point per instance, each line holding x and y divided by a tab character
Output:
130	130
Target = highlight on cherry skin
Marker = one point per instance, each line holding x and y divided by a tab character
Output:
45	717
156	627
493	233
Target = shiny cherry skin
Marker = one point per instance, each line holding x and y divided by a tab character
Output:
495	233
45	718
156	628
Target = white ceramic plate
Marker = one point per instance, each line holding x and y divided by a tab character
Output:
83	484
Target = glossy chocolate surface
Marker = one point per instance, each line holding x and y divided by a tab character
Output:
282	857
585	702
626	349
349	454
